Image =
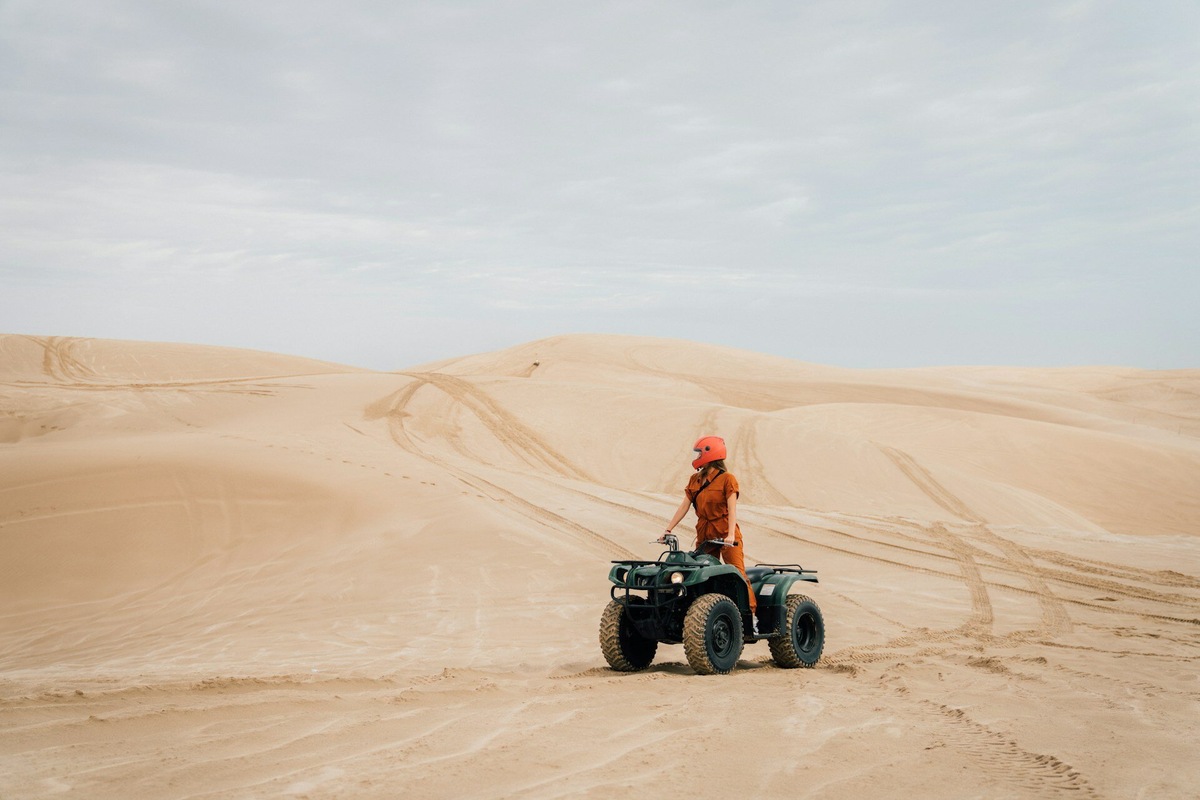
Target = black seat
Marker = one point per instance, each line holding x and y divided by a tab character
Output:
756	574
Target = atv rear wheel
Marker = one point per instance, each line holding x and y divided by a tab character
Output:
712	634
624	648
803	634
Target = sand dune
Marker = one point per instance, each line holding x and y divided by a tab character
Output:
237	574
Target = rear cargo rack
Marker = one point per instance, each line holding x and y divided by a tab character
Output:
789	568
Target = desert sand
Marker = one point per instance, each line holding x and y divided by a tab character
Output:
229	574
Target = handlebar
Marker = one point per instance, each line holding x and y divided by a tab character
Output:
672	541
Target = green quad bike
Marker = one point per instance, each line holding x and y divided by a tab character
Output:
695	599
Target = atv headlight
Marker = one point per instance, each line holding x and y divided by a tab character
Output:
676	577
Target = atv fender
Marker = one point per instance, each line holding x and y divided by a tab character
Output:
773	589
724	579
772	593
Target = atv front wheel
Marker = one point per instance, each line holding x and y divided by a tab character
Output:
712	634
624	648
803	634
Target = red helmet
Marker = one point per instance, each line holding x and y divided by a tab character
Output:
708	449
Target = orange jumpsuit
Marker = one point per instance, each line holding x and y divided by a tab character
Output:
712	520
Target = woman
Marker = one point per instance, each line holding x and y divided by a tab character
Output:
713	492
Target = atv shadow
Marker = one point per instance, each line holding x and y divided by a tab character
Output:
664	668
684	669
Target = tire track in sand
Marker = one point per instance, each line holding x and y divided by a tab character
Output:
756	475
859	547
520	439
394	409
1054	616
982	614
59	363
1037	775
998	754
929	486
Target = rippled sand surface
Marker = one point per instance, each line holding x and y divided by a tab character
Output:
230	574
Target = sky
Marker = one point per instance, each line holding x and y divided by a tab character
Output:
384	184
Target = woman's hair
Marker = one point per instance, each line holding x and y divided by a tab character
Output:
719	464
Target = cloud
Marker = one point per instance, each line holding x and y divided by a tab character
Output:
544	158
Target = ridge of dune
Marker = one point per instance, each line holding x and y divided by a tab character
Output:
821	436
362	577
68	359
1119	394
